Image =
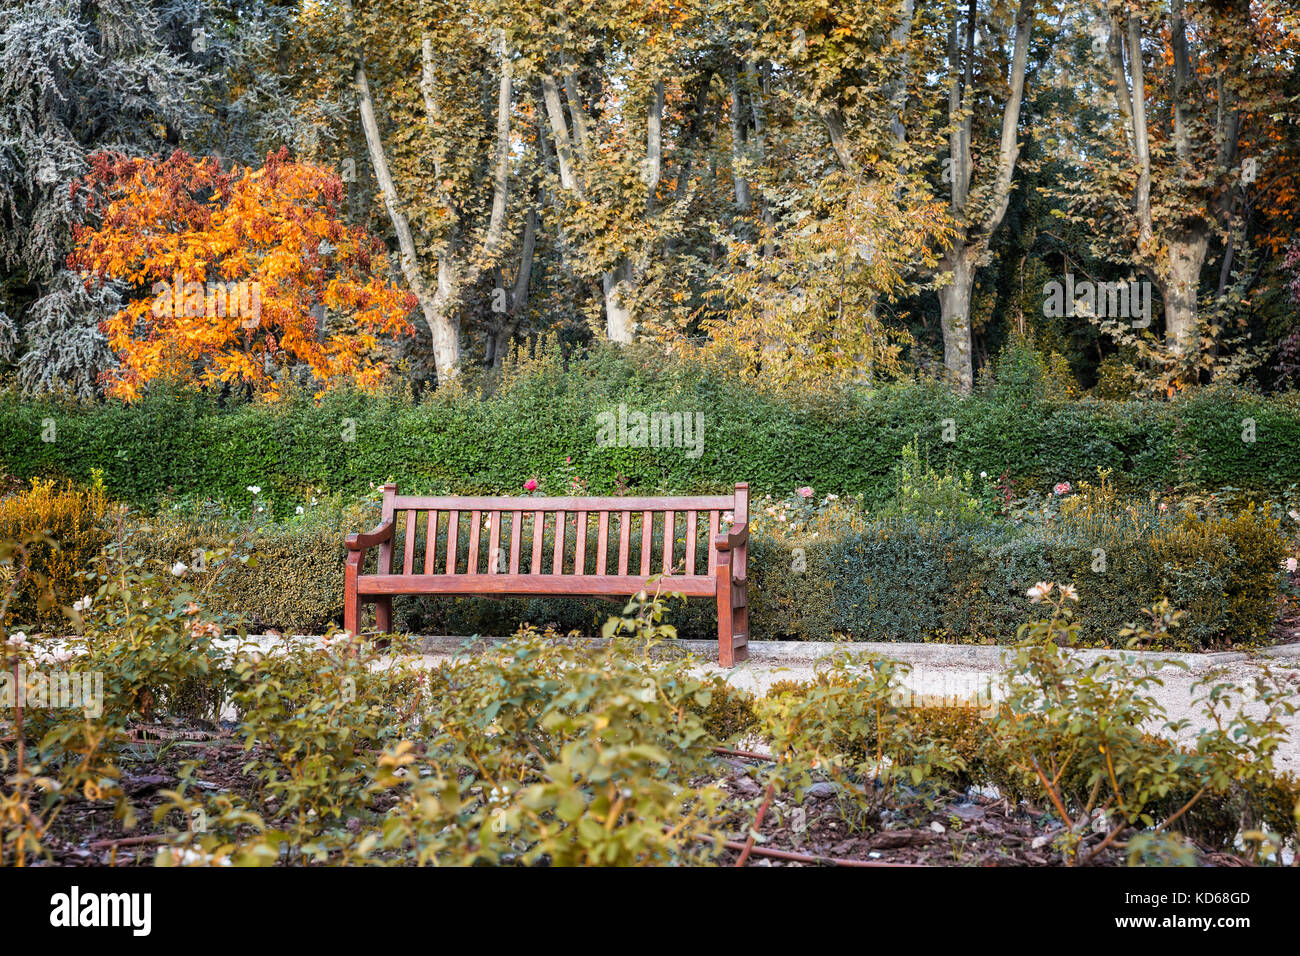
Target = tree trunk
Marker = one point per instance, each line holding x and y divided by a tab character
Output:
738	145
444	325
500	337
973	239
954	305
618	286
1186	257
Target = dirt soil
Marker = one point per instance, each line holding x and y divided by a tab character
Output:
967	829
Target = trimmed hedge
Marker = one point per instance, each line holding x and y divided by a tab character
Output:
186	445
895	579
904	580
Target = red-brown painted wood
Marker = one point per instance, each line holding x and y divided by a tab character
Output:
516	536
602	545
725	577
691	532
647	537
408	548
453	539
679	503
430	542
494	543
669	543
590	585
561	529
624	540
713	533
580	544
539	528
475	529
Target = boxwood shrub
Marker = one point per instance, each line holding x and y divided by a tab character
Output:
907	580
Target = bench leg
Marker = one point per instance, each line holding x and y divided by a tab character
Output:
351	600
726	653
350	609
740	634
726	612
384	615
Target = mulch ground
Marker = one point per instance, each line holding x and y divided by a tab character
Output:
961	830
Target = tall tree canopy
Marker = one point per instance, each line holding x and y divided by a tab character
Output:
815	191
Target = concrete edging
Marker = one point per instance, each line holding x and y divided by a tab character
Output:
965	656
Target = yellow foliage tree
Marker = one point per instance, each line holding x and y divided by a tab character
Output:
807	310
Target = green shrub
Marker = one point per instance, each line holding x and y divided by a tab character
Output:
544	412
76	523
728	712
1224	571
294	582
1075	736
827	571
545	753
903	579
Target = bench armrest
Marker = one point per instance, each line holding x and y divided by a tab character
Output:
368	539
737	536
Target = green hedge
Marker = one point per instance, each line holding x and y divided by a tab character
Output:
896	579
904	580
456	442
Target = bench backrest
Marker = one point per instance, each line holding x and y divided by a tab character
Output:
588	536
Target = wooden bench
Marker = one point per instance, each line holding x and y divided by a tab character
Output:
414	523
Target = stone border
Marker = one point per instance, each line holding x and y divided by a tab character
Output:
966	656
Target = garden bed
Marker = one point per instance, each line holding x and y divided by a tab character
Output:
820	829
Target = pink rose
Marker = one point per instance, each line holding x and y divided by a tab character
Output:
530	484
1063	488
804	492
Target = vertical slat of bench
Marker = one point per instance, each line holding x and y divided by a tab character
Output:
475	526
494	542
713	532
453	539
580	544
669	544
624	539
385	560
384	605
539	531
561	528
692	527
408	550
516	535
602	546
430	542
647	534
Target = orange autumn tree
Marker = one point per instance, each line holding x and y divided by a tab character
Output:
229	273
